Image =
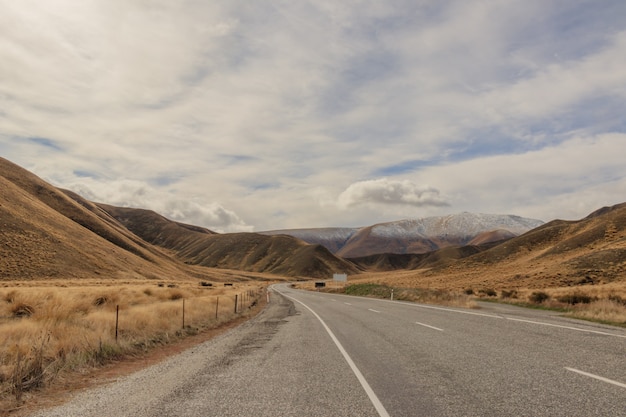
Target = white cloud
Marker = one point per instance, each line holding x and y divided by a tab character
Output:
558	87
394	192
260	113
567	180
137	194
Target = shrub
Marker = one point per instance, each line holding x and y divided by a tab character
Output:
469	291
539	297
22	310
617	299
488	292
100	301
176	295
508	294
576	298
375	290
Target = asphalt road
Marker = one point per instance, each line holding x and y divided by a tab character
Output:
497	361
316	354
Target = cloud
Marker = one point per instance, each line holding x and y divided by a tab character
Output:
137	194
212	215
260	113
393	192
569	179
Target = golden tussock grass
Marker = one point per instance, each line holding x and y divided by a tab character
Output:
420	295
48	331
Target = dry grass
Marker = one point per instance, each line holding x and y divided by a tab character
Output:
50	331
421	295
601	303
604	311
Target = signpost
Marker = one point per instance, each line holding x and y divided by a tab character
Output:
340	277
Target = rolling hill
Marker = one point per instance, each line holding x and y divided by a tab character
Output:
48	233
283	255
590	251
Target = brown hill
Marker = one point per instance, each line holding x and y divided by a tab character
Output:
412	261
559	253
366	242
47	233
491	237
44	233
277	254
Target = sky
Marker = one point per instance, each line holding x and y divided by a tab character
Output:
256	115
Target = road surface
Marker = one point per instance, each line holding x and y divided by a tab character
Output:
316	354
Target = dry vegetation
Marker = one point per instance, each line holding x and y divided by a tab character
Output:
52	331
420	295
605	303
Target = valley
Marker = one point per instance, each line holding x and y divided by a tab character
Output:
67	264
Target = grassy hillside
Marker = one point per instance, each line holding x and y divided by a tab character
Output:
279	254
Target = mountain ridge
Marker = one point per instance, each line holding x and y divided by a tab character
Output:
420	235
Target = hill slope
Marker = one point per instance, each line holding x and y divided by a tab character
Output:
51	233
560	253
284	255
46	234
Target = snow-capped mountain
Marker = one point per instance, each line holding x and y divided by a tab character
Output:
415	235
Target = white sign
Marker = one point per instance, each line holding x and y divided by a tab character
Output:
340	277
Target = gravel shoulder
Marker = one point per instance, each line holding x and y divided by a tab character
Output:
278	363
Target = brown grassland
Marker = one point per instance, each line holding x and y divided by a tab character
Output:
604	303
53	330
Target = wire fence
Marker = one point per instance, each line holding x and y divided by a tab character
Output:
204	310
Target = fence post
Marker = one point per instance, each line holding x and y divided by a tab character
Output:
236	297
117	320
183	313
217	305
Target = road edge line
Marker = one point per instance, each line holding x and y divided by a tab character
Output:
380	408
598	377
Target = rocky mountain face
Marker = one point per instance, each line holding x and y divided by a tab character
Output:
416	235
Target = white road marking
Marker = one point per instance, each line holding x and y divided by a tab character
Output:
348	304
600	378
442	309
567	327
375	311
423	306
382	412
429	326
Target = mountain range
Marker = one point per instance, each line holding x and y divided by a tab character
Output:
415	235
49	233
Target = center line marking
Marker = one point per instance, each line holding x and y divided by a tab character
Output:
375	311
600	378
430	327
